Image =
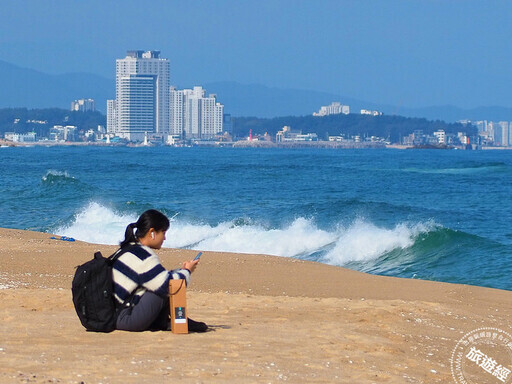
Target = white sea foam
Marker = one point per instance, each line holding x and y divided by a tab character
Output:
299	238
182	234
362	240
101	225
365	241
97	224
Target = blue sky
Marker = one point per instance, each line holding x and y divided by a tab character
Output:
409	53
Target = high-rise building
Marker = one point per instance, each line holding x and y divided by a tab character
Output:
211	116
177	111
192	128
194	115
501	134
142	96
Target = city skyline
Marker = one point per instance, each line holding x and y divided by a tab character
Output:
409	54
146	104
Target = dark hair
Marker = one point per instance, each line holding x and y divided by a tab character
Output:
149	219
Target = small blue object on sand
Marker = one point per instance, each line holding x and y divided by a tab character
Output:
63	238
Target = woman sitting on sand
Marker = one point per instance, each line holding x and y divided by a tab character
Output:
141	283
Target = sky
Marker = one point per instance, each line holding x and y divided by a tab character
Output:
411	53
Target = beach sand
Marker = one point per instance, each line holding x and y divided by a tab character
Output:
273	320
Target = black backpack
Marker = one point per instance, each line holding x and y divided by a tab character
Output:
93	294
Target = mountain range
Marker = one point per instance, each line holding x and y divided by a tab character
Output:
23	87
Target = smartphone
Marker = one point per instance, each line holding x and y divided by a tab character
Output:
198	256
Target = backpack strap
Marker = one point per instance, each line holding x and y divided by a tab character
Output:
112	258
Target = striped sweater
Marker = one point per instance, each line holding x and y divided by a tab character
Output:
139	270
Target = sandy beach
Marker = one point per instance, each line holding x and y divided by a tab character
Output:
273	320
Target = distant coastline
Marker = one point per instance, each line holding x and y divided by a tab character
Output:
4	143
242	144
215	144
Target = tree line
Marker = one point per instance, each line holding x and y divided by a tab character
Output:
390	127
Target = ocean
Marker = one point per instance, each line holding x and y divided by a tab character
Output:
441	215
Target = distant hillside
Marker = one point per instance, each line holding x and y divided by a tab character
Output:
452	114
22	87
267	102
22	120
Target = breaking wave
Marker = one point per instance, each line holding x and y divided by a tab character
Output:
424	250
364	241
301	238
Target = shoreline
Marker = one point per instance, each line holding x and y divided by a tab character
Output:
273	319
240	144
56	144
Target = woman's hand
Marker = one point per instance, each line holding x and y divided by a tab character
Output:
190	265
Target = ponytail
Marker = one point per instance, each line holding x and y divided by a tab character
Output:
149	219
129	235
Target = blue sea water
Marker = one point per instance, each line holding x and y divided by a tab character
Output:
426	214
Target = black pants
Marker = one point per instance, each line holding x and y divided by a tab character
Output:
150	314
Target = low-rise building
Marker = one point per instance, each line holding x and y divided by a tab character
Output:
83	105
441	136
63	133
334	108
29	137
370	112
286	134
307	137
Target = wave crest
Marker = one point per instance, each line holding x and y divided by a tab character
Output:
300	238
97	224
52	177
363	241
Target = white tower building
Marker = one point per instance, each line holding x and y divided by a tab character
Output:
177	110
142	95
